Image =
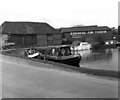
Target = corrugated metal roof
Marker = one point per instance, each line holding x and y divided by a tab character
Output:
27	28
84	28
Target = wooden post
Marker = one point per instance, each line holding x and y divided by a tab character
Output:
23	41
45	55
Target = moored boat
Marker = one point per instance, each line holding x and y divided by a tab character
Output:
60	54
73	60
118	44
105	44
31	53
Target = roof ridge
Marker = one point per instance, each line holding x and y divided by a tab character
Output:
24	22
39	28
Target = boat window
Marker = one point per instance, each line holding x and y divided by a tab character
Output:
85	44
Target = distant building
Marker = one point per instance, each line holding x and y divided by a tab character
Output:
87	33
119	30
114	33
28	34
119	33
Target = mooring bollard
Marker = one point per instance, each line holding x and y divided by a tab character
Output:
45	55
44	58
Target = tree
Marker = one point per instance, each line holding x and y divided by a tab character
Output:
118	30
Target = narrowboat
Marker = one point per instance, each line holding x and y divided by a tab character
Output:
60	54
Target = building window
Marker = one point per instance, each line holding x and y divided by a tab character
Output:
77	33
90	32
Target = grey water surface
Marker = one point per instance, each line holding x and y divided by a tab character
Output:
101	59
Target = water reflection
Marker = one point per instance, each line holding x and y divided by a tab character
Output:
93	55
101	59
84	53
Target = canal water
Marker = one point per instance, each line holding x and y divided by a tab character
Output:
106	59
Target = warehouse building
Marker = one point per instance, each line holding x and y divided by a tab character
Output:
86	33
28	34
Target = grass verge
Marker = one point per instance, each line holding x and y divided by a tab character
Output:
97	72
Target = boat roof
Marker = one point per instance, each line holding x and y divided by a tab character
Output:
8	44
50	47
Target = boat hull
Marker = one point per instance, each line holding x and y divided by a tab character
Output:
75	61
69	60
33	55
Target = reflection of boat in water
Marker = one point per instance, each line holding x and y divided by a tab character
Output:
60	54
84	53
97	55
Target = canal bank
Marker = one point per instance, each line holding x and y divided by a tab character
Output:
81	69
29	79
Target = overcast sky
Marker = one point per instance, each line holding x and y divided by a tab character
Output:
119	13
61	13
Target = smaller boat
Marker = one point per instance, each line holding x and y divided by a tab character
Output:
31	53
7	46
105	44
61	55
118	44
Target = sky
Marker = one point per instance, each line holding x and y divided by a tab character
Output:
119	13
61	13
